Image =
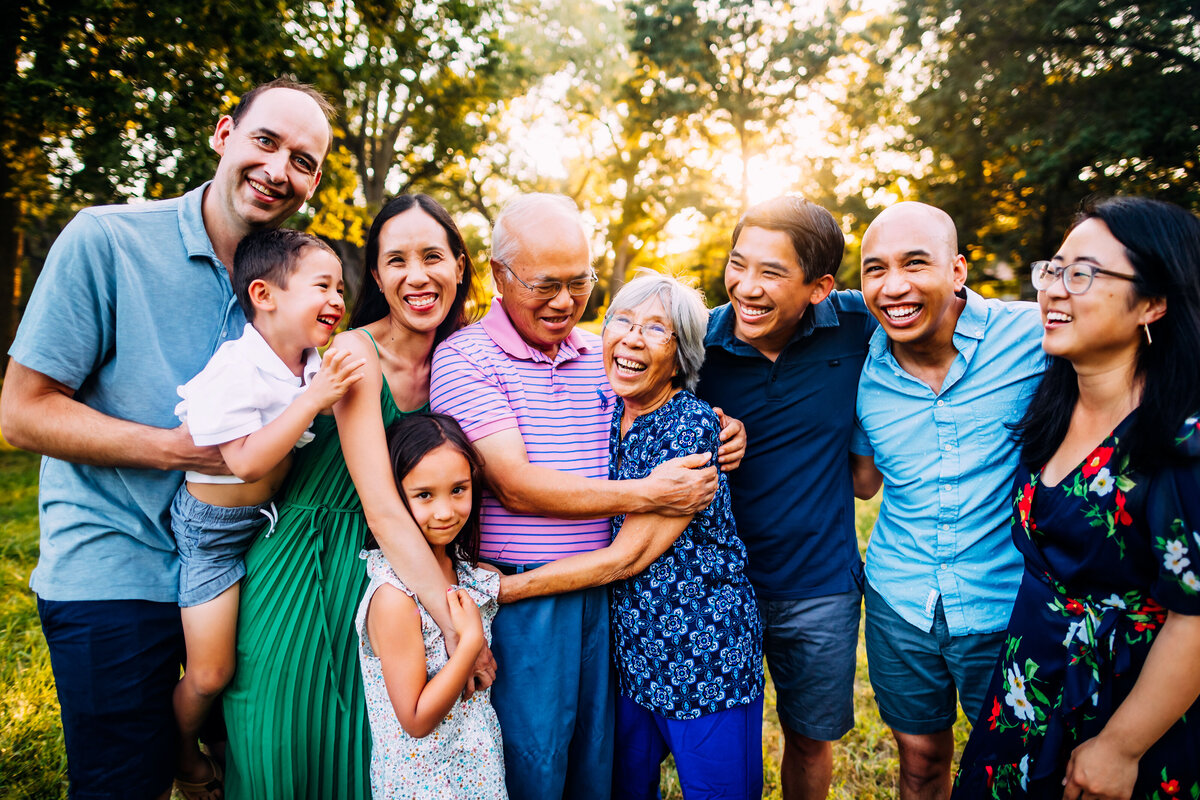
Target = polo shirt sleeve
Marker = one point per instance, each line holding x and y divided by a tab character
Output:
222	403
68	327
460	387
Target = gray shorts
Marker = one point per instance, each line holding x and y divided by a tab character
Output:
810	646
916	673
212	542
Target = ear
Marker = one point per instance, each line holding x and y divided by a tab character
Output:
462	267
960	272
316	182
822	286
1156	309
499	276
221	134
261	296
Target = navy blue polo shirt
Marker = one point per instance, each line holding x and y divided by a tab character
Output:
793	498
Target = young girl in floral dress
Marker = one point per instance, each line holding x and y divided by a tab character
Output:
430	742
1096	691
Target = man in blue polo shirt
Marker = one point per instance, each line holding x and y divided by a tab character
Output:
946	371
784	357
132	302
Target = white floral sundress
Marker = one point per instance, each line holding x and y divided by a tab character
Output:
463	758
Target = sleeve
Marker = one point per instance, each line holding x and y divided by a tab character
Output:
694	429
222	403
68	327
859	443
1173	517
460	388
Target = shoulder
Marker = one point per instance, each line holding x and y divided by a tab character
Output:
848	301
686	411
356	342
469	345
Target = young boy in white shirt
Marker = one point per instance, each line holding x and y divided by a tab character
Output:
255	400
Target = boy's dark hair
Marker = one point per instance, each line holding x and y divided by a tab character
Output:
271	256
410	439
816	237
286	82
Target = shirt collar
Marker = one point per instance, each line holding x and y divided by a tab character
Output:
721	323
971	324
191	225
500	329
269	361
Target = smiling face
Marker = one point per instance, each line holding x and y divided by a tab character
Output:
417	271
911	275
438	491
768	290
1104	323
270	161
309	307
556	251
639	368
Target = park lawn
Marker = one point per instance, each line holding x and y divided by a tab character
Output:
32	764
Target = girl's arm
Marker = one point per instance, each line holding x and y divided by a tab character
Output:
642	538
254	456
1107	764
364	446
394	627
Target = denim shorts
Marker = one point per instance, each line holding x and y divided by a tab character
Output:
811	645
916	674
212	543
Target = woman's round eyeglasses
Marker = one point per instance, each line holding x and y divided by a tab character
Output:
652	332
1077	278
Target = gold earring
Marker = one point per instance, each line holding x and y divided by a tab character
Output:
1146	328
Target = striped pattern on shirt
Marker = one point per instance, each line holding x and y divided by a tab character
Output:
488	379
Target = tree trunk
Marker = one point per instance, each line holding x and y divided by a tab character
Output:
11	252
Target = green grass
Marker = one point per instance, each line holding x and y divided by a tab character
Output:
32	764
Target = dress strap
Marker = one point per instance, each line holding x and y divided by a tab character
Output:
372	338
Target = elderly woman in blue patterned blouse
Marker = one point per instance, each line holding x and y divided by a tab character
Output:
688	643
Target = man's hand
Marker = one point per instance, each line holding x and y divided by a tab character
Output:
684	485
187	455
733	442
483	674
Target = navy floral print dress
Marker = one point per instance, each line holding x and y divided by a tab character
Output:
1108	552
686	631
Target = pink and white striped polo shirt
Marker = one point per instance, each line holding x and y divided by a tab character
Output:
490	380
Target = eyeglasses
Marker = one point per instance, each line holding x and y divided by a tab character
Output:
547	290
652	332
1077	278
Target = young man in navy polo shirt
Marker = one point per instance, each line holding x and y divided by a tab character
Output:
784	356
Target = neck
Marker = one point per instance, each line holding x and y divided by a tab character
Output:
640	407
222	232
290	354
930	359
403	343
1112	389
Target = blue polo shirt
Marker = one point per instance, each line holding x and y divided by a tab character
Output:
947	461
792	495
132	303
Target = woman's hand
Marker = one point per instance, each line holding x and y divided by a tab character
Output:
1099	770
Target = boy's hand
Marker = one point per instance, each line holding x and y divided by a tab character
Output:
337	374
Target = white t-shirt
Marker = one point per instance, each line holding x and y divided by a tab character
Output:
244	386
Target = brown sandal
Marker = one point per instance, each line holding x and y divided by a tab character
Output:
211	789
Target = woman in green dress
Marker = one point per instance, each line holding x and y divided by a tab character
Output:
295	711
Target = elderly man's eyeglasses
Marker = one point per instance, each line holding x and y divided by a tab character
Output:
1077	278
547	290
652	332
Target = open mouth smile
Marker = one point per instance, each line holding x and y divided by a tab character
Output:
264	190
902	313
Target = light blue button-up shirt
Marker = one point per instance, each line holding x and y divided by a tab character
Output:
947	461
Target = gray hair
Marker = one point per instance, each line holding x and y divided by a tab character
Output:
518	215
686	310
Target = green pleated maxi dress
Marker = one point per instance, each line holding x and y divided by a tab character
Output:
295	711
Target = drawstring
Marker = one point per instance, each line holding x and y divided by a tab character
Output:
272	515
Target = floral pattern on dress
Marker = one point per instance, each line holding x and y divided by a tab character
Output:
1107	552
687	635
462	758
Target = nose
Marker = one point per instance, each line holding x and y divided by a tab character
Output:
275	165
1058	286
562	300
895	282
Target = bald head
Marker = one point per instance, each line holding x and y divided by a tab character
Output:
531	222
931	224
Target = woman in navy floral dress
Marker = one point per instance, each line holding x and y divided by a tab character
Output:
686	631
1096	691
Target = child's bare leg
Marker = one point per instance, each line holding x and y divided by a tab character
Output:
210	635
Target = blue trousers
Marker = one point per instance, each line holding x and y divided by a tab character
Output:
718	756
553	694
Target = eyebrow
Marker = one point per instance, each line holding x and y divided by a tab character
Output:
768	263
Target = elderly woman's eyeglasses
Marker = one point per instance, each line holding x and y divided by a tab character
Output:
547	290
652	332
1077	278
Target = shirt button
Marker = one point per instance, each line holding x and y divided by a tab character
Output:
946	447
946	487
945	566
945	527
941	402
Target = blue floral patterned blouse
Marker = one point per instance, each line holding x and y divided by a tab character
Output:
686	631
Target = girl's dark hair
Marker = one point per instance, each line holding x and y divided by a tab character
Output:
371	305
413	437
1162	242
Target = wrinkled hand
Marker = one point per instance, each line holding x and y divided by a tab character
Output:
339	371
483	674
733	442
1099	771
187	455
684	485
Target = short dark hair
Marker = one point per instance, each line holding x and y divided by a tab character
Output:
409	440
1162	243
816	236
287	82
371	305
271	256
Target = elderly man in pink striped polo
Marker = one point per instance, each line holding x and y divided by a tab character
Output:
530	391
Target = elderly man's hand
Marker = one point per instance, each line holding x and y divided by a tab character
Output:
733	442
684	485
